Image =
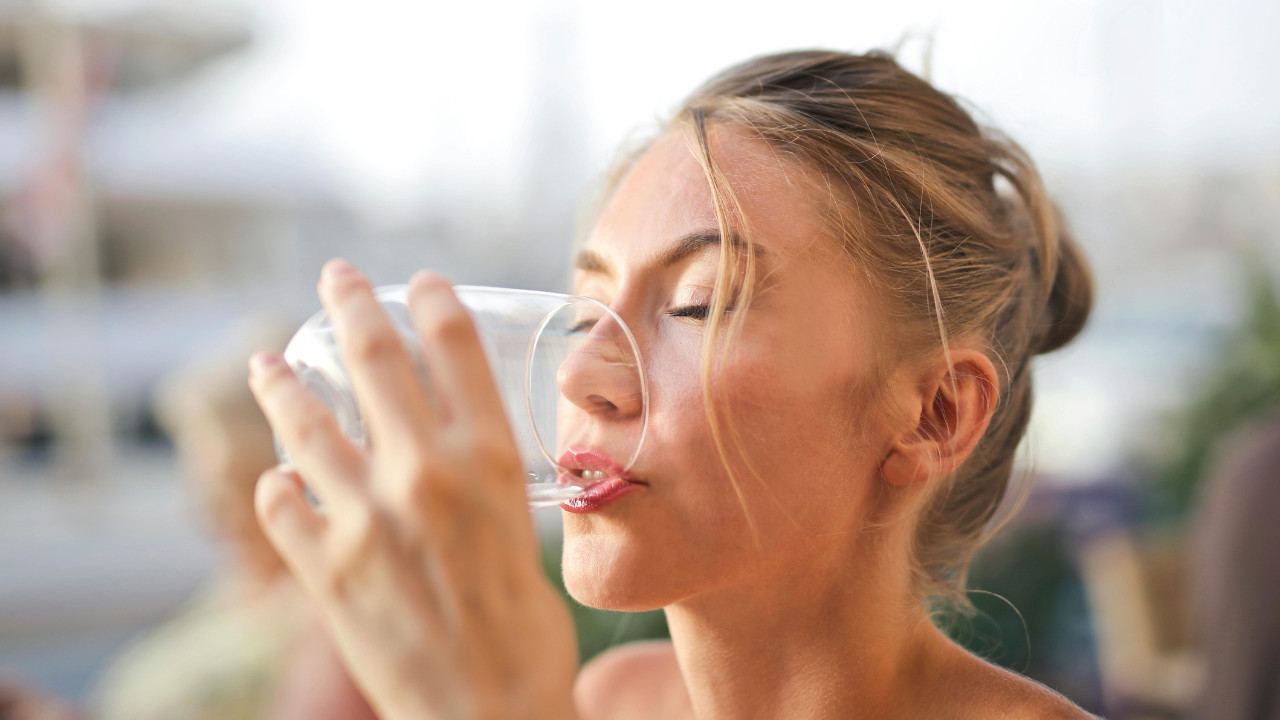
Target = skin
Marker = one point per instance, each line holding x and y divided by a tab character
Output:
425	567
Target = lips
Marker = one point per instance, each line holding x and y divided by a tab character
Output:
602	478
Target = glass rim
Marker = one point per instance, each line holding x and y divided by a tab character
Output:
635	351
400	291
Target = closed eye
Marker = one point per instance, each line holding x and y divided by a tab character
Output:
696	312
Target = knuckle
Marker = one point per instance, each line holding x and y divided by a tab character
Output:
445	491
336	581
406	493
374	345
428	488
310	429
450	325
498	455
413	458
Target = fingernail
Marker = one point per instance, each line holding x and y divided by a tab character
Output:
338	268
264	361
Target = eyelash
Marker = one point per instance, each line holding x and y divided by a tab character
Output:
694	312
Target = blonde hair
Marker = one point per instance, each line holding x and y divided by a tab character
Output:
918	204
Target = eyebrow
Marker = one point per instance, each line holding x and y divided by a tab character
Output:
591	261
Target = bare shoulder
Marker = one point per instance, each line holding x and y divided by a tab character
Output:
1033	701
632	681
1006	694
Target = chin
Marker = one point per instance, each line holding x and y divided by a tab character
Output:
613	572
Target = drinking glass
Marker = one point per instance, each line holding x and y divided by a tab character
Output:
567	368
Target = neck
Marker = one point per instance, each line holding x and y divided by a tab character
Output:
807	643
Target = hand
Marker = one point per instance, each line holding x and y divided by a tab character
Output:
425	563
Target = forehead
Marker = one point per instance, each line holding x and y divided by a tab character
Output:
666	195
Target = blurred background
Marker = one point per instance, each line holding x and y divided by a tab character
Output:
173	173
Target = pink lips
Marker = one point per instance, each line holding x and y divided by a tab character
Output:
611	483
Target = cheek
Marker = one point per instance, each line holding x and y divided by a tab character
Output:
796	411
682	449
805	415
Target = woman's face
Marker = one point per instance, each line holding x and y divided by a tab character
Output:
796	385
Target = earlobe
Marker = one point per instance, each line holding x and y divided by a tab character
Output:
905	465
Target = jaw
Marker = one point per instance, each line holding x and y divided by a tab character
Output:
636	564
606	569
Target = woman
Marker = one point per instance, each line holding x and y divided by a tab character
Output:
838	281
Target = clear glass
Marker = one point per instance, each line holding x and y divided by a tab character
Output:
567	367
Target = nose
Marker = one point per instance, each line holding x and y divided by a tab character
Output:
602	375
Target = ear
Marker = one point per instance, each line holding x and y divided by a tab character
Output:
950	408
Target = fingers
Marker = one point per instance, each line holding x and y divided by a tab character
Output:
329	461
292	526
454	354
386	385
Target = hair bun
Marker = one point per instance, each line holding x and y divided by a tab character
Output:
1070	299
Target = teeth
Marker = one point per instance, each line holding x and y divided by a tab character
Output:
592	474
